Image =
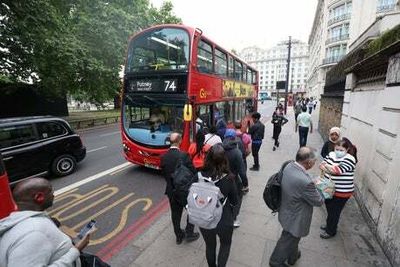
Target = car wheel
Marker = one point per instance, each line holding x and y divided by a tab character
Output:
63	165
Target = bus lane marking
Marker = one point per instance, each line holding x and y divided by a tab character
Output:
80	200
90	179
96	149
108	134
84	198
120	170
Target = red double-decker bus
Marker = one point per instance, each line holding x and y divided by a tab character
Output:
174	78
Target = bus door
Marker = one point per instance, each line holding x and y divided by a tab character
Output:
203	117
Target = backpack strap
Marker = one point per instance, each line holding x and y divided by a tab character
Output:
208	139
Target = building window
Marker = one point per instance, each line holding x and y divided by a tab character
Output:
340	13
385	5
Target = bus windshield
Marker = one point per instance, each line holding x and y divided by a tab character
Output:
151	124
159	49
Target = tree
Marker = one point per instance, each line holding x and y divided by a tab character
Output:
74	46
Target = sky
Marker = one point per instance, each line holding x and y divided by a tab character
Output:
236	24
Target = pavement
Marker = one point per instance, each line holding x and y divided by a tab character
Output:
254	241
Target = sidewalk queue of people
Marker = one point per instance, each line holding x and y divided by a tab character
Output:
210	182
223	166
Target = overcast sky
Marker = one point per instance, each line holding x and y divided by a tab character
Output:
235	24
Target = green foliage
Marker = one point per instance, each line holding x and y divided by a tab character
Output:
384	41
72	46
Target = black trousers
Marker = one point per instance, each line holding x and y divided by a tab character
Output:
176	215
255	148
310	109
210	238
287	248
236	209
276	133
334	208
303	133
295	117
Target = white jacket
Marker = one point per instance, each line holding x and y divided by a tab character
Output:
31	239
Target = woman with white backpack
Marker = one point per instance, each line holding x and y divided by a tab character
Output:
216	171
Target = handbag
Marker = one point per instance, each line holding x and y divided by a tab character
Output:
325	185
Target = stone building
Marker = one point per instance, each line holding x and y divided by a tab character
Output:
368	19
271	64
368	111
371	118
335	31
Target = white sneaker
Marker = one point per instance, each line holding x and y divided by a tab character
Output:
236	223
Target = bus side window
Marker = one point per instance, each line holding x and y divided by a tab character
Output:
204	57
231	73
238	71
221	64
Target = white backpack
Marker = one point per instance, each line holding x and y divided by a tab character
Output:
204	203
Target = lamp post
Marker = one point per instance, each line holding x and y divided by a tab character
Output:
287	72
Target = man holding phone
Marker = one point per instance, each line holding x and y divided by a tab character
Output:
28	237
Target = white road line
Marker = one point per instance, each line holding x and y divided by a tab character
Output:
96	149
90	179
108	134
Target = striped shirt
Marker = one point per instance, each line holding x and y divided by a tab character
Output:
344	174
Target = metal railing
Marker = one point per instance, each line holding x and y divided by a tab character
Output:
92	122
385	8
337	38
339	18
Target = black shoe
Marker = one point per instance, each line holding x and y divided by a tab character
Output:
280	265
274	148
192	237
254	168
277	144
325	235
179	239
245	190
298	257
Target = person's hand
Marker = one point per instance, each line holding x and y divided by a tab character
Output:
322	166
81	244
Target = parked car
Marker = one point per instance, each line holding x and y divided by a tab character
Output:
33	146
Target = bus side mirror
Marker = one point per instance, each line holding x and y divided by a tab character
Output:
187	112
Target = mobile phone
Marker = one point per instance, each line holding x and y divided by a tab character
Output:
85	230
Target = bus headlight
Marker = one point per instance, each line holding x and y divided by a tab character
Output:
125	147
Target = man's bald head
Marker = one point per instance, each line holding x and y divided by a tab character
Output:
306	157
33	194
175	139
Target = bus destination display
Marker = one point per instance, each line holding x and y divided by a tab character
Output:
166	86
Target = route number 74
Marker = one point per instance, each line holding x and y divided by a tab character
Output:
170	86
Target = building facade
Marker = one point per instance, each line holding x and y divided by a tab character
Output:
272	65
328	41
336	28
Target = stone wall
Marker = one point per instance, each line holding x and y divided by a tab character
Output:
371	119
330	113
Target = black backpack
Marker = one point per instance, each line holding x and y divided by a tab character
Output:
182	179
272	191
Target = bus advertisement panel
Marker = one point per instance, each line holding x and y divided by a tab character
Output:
174	79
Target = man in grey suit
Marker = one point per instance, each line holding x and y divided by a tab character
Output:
299	196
